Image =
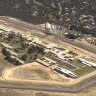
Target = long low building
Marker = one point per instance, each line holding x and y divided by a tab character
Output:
6	45
46	61
49	60
12	52
65	72
19	60
43	63
87	62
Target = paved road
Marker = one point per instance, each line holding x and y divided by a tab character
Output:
23	85
85	47
21	23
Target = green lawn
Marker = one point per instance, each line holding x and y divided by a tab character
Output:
40	35
66	66
77	63
84	70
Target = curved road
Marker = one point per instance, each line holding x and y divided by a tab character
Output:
60	7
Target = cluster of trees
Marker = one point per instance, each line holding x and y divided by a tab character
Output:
8	57
10	37
29	58
5	52
71	36
34	49
83	30
24	57
23	46
1	35
33	53
13	61
23	9
19	9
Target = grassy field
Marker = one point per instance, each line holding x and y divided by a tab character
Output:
66	66
42	74
84	71
77	63
40	35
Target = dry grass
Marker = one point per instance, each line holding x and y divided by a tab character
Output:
32	71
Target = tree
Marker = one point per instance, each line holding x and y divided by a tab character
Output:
9	58
5	52
32	49
35	56
23	45
71	36
10	36
16	50
17	63
1	35
40	50
24	57
21	39
73	27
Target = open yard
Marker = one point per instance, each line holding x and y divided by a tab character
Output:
32	71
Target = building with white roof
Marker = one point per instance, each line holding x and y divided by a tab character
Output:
4	28
6	45
19	60
65	72
12	52
47	26
46	61
87	62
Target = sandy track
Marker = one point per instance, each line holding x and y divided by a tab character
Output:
68	82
